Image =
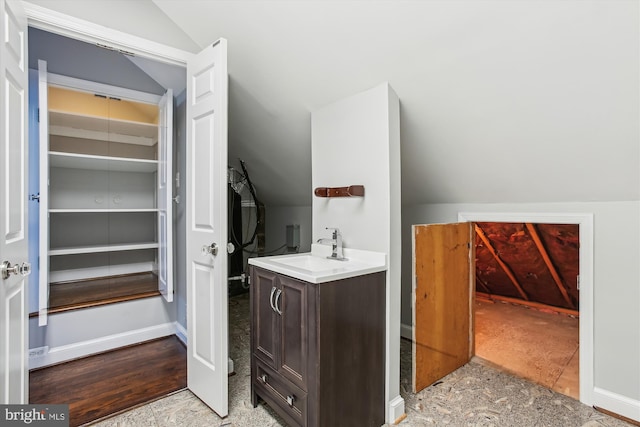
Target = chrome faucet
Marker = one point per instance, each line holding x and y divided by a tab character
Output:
336	244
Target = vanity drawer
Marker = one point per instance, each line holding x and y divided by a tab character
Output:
272	386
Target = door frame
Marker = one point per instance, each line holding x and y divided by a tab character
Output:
586	251
79	29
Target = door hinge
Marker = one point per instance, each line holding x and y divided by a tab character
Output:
35	197
578	281
38	119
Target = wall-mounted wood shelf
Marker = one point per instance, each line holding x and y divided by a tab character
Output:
350	191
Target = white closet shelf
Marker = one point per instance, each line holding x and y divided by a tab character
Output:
58	159
77	125
91	249
101	210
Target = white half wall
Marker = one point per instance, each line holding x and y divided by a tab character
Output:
356	141
616	288
78	333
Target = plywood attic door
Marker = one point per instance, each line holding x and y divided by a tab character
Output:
443	284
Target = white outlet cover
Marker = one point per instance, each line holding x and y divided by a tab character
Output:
38	352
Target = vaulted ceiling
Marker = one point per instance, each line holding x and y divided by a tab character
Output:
521	101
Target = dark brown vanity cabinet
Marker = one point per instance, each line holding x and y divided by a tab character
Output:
317	350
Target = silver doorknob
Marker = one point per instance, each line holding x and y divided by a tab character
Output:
7	269
211	249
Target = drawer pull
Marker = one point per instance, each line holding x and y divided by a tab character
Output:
278	295
264	378
290	399
273	290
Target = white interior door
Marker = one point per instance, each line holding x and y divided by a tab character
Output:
207	320
43	205
13	208
165	196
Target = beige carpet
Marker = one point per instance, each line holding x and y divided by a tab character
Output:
474	395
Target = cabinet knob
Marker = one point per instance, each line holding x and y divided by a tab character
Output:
290	399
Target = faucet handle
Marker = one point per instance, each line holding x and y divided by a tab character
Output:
335	233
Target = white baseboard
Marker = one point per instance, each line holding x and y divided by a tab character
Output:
181	333
406	331
396	410
98	345
616	403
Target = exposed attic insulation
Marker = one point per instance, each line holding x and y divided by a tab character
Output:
534	263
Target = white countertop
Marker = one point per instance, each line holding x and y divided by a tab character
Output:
315	267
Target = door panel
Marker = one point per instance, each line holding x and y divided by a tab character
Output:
13	210
206	212
264	328
204	296
443	285
293	327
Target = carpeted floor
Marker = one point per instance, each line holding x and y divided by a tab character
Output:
474	395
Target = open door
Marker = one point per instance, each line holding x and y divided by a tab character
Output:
165	196
14	386
43	201
443	300
206	210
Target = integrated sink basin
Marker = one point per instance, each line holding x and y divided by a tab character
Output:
311	263
315	267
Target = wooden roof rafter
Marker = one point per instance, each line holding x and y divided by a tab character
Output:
483	285
502	264
533	232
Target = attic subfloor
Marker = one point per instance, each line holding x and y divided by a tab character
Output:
539	346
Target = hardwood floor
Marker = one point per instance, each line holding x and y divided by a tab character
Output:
106	383
64	296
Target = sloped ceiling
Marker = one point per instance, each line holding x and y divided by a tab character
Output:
520	101
81	60
536	263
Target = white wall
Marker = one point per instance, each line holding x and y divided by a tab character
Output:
356	141
277	219
616	286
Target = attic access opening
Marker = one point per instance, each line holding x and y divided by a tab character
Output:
444	290
526	309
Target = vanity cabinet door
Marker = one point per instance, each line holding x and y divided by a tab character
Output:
264	317
293	303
